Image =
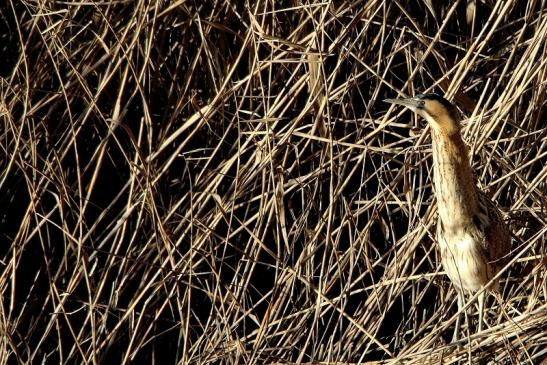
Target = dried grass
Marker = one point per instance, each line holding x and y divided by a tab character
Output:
221	183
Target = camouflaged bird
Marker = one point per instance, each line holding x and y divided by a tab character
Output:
473	239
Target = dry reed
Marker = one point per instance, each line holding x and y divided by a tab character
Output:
219	182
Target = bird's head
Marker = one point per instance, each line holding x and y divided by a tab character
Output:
436	110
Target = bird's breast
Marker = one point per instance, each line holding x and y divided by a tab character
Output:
463	260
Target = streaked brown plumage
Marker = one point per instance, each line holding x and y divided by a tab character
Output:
473	239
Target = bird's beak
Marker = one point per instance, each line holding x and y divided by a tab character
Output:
410	103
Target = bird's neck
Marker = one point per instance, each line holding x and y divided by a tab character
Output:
454	182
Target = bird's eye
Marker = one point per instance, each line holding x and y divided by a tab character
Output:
421	104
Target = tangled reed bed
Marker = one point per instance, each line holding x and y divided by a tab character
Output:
219	182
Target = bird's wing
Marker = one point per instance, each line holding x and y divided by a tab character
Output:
497	238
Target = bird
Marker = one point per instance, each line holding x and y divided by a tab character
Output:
473	239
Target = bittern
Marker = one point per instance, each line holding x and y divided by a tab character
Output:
473	239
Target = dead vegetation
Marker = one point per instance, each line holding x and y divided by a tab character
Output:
220	183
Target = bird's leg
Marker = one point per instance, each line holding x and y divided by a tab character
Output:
458	319
481	299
